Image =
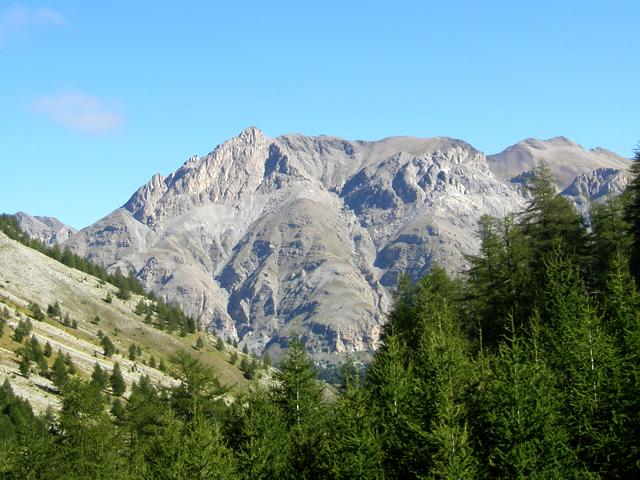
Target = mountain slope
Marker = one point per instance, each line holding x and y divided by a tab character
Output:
566	159
266	236
48	230
28	276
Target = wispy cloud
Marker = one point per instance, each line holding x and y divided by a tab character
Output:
19	18
78	111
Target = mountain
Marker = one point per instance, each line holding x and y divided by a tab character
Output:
48	230
566	158
29	277
264	237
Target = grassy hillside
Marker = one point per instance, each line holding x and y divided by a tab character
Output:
28	277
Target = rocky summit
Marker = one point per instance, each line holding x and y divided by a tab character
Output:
266	237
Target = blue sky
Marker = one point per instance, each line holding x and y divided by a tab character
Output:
95	97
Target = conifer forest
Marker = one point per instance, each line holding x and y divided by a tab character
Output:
524	366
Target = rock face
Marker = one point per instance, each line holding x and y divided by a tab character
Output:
263	237
46	229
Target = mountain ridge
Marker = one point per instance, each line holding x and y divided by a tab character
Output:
263	236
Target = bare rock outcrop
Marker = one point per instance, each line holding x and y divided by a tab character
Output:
264	236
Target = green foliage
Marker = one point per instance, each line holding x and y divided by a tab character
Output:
298	394
355	448
133	352
116	380
141	308
527	367
632	216
107	345
108	298
25	366
199	343
47	351
518	415
233	358
59	371
99	377
36	312
266	360
53	311
259	436
23	329
123	293
219	345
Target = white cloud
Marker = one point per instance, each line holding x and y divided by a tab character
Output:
78	111
18	19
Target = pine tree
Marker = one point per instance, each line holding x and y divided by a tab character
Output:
257	433
22	330
25	366
47	350
299	396
116	380
591	365
609	238
519	415
133	352
141	308
632	215
53	311
395	395
442	366
89	444
355	447
499	281
233	358
36	312
219	345
99	376
59	371
107	345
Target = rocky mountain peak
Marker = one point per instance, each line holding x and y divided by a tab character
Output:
48	230
264	236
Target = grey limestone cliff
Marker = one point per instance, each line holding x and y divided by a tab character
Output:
266	236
